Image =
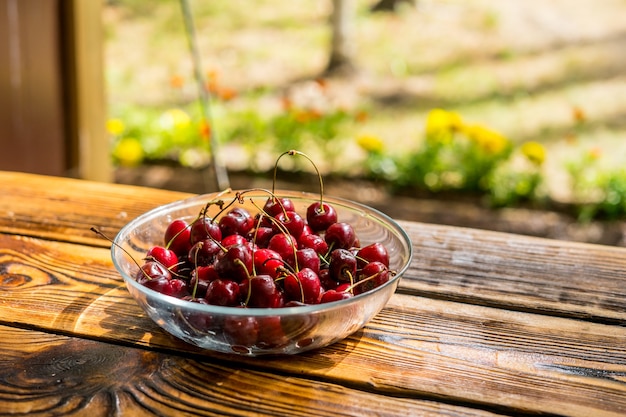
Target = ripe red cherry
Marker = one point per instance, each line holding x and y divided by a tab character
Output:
261	291
201	277
334	295
177	237
342	266
308	258
340	236
303	286
328	283
275	205
306	230
371	276
235	263
172	287
203	252
268	262
285	245
236	221
261	236
223	292
271	333
320	216
204	228
152	270
315	242
290	221
231	240
165	257
241	331
376	252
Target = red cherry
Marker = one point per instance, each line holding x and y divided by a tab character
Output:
268	262
236	221
222	292
262	292
320	216
285	245
203	252
376	252
197	320
342	265
274	205
271	333
235	263
172	287
231	240
261	236
290	221
308	258
303	286
241	331
315	242
340	236
177	237
328	283
201	277
152	270
165	257
371	276
334	295
306	230
204	228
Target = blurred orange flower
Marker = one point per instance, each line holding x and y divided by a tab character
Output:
177	81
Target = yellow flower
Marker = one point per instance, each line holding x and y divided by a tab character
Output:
371	144
489	140
534	152
441	121
115	126
174	119
128	151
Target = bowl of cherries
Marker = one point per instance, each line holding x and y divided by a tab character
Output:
257	272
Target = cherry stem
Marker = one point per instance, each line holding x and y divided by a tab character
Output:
248	277
293	152
371	277
99	233
283	230
195	263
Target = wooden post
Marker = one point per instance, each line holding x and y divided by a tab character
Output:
84	64
32	129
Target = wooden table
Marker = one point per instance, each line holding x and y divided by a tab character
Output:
482	324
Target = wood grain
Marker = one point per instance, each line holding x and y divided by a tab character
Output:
482	321
416	347
65	209
86	377
515	272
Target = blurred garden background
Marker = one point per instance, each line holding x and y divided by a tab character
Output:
495	105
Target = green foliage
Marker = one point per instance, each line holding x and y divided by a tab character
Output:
147	134
453	155
598	192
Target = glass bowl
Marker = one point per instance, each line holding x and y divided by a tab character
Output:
260	331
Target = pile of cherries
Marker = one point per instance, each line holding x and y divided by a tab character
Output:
276	258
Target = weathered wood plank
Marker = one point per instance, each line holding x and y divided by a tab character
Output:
524	273
65	209
45	374
416	346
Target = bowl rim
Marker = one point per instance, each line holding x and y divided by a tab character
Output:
364	210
